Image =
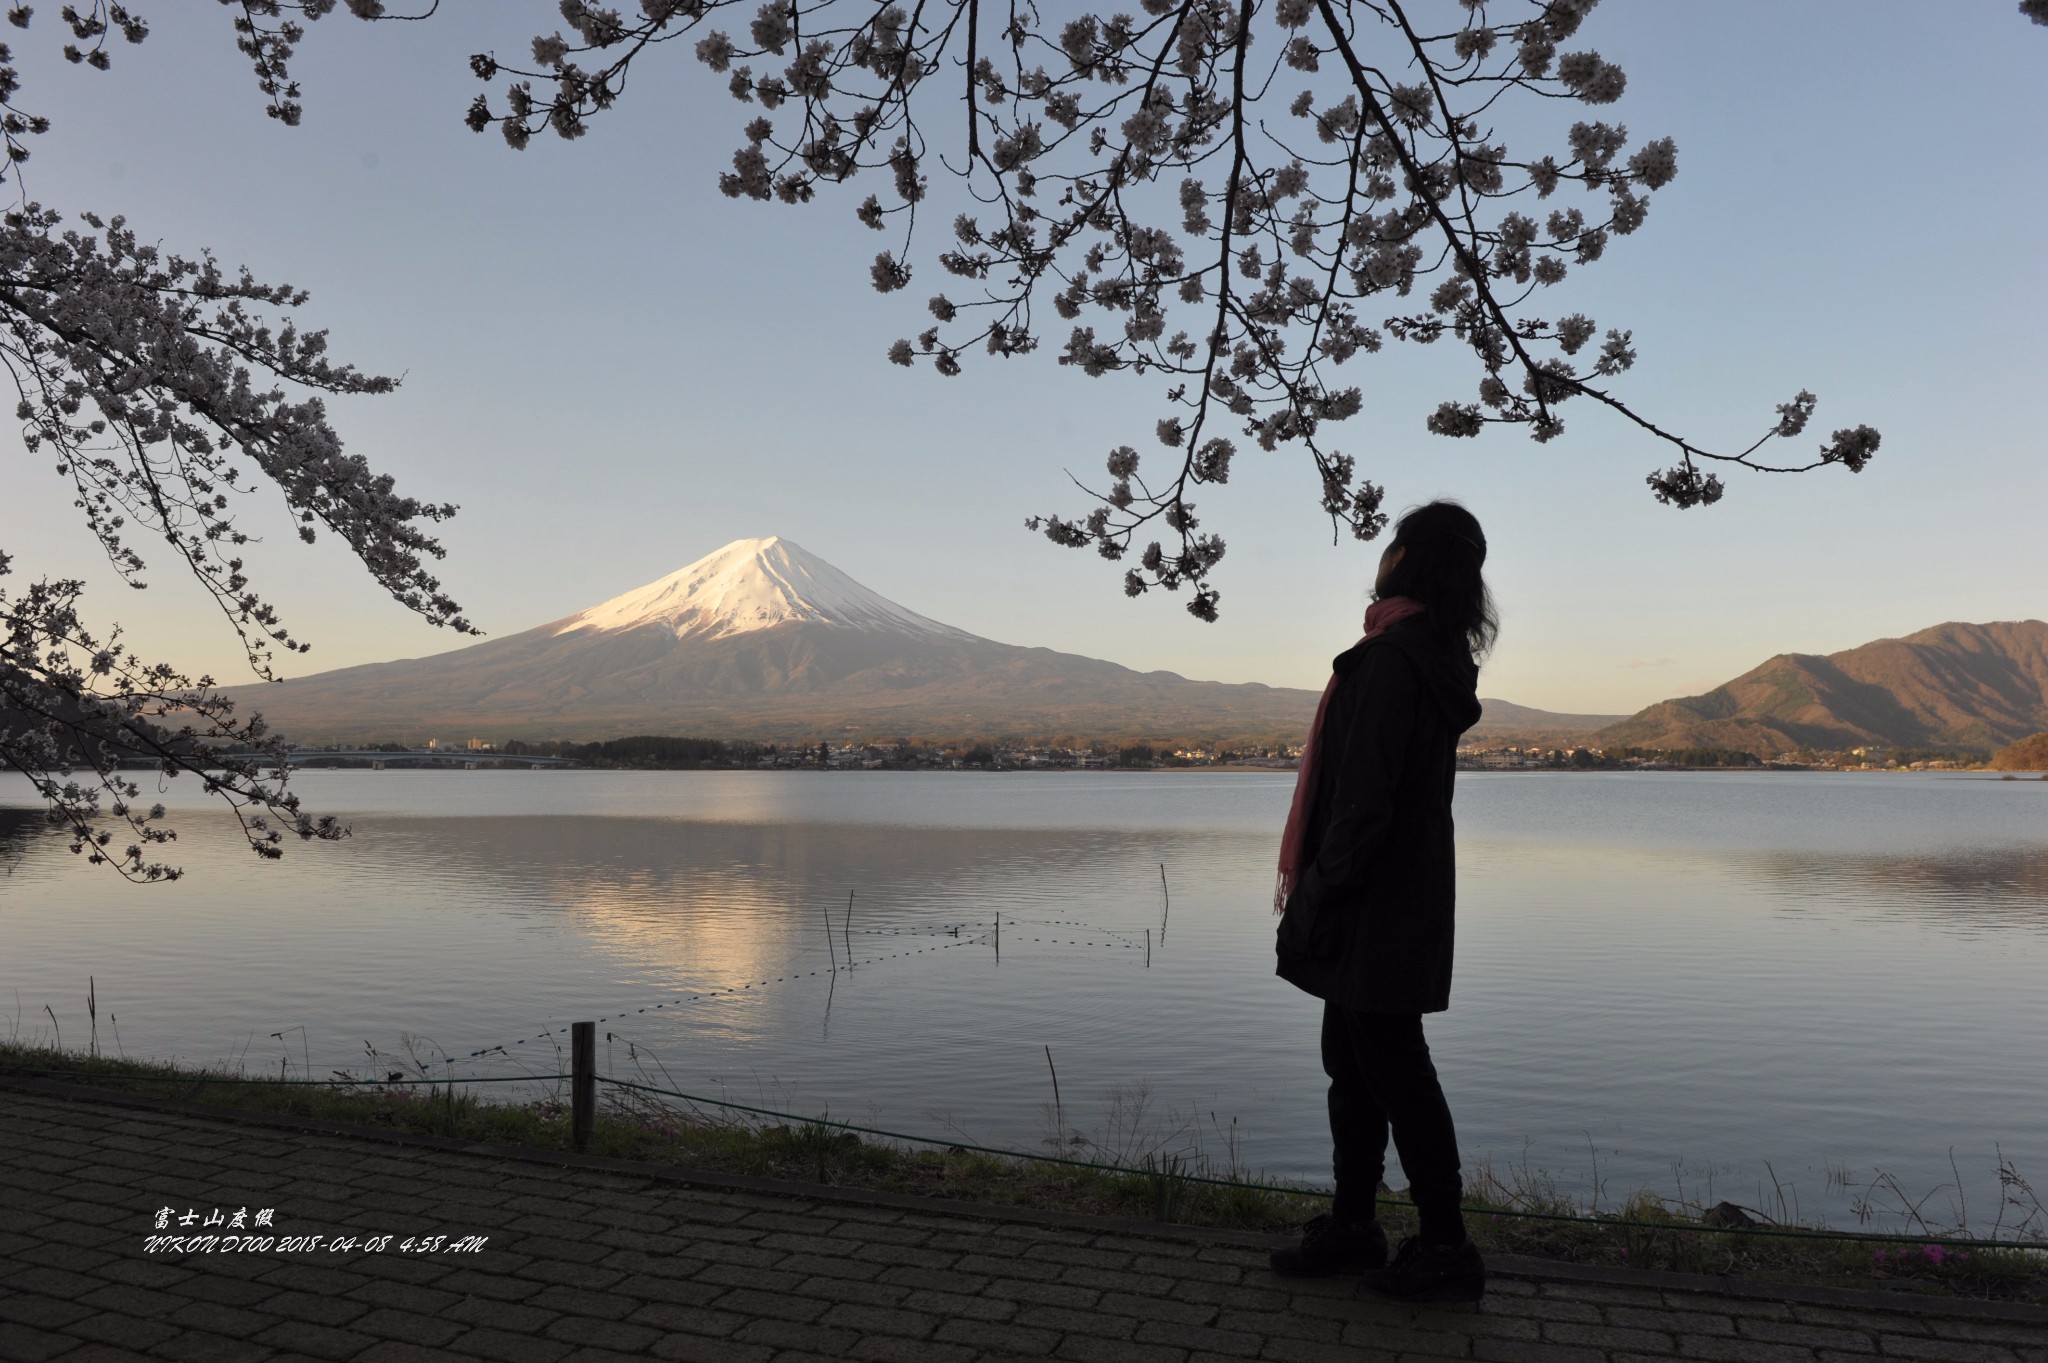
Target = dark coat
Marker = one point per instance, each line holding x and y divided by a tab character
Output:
1370	923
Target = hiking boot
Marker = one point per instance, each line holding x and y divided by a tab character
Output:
1425	1272
1329	1246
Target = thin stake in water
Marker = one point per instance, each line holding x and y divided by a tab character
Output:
830	950
301	1030
1166	907
848	929
1059	1112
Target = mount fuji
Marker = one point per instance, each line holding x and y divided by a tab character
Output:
753	585
762	639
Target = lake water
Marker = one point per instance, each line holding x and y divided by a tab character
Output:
1662	979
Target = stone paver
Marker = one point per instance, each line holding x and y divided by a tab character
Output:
592	1259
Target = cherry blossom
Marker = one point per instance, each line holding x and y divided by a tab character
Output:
1234	198
164	389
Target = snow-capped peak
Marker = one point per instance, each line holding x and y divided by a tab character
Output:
752	585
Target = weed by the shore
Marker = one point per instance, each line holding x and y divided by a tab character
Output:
1158	1170
1691	1233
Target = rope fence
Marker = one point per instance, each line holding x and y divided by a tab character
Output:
1324	1194
1093	935
367	1082
583	1079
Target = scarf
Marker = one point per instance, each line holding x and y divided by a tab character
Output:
1294	838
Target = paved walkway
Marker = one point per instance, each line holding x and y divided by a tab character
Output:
589	1260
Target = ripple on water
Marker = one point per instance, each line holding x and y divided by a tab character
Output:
1653	969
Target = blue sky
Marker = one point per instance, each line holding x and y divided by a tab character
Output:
615	370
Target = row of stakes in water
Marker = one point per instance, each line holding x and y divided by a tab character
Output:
949	930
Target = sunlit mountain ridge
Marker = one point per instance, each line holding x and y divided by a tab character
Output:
1954	685
764	640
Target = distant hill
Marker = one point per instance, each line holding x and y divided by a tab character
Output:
1952	686
1503	721
2029	754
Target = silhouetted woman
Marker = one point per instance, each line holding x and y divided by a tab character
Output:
1368	883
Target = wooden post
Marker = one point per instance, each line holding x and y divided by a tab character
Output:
582	1082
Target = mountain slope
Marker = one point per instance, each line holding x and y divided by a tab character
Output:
1504	720
2029	754
764	640
1954	685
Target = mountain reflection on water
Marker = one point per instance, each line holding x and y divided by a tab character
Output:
19	828
1978	890
707	905
1719	970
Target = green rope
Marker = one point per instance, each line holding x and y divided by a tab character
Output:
1129	1172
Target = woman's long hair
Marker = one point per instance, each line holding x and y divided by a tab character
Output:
1442	552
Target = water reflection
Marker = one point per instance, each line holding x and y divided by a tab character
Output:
706	904
20	829
1969	891
1711	970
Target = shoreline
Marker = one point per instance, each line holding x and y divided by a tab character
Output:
400	765
637	1123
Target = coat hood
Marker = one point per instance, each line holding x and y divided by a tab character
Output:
1446	669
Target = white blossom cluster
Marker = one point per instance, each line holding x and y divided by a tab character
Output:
134	370
1241	196
74	711
268	34
164	388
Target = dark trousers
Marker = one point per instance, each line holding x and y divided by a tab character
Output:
1381	1080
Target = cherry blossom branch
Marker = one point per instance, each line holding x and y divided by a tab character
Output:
158	382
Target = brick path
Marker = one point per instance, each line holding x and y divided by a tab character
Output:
595	1259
